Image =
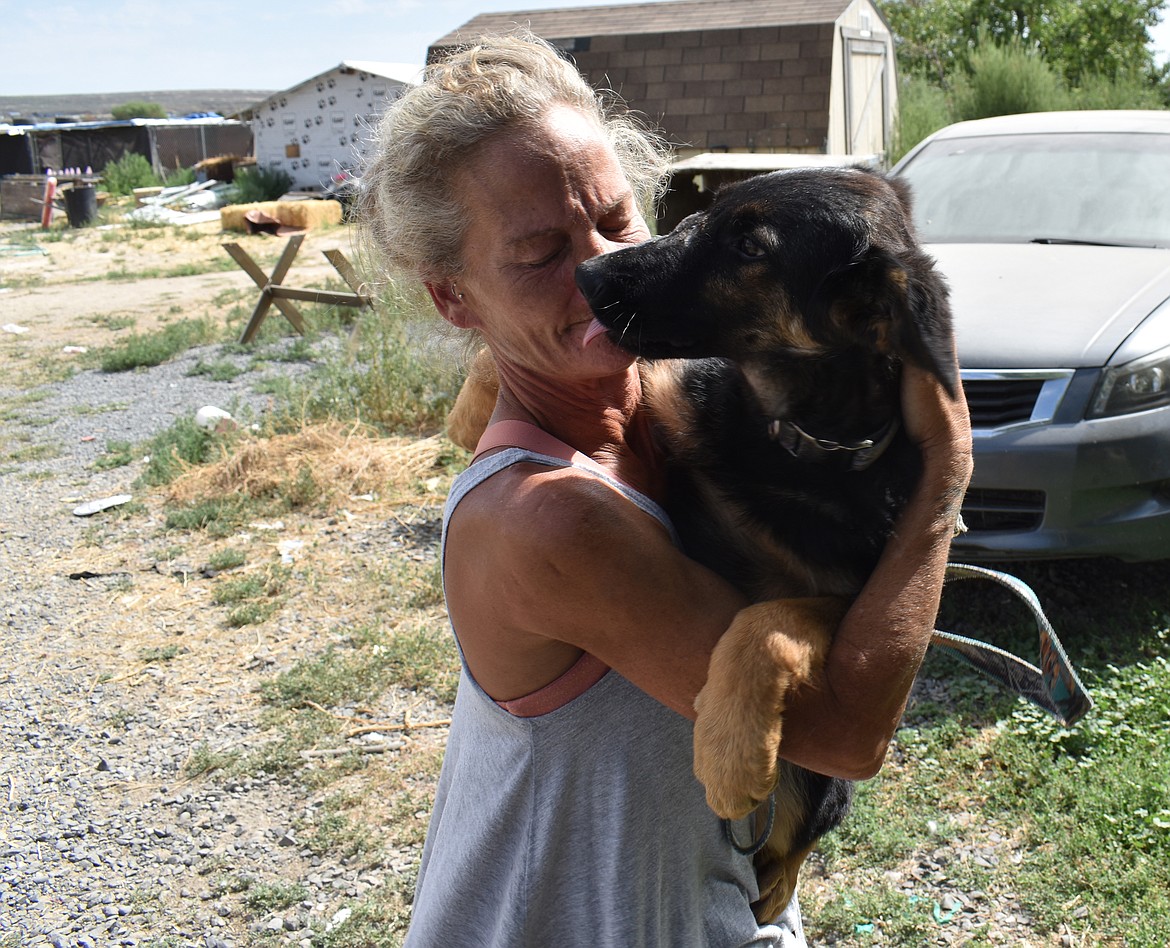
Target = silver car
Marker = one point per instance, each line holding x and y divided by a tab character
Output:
1053	230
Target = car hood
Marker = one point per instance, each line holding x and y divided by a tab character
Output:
1046	305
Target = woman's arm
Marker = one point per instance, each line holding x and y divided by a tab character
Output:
544	563
842	723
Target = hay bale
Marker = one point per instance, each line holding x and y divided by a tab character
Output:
303	215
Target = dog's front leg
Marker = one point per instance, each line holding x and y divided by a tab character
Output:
769	648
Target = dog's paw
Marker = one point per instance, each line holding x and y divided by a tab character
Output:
735	760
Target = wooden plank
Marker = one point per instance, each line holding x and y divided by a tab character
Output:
247	264
258	314
330	297
345	268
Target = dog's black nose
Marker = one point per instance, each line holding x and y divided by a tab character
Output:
590	280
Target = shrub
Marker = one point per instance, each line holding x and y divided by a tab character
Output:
1005	80
133	110
127	173
922	109
1126	91
260	184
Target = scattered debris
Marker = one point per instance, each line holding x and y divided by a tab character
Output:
214	419
105	503
186	204
22	250
287	548
74	350
14	329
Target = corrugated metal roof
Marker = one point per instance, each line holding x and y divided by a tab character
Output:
674	16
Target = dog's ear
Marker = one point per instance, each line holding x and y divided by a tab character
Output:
898	303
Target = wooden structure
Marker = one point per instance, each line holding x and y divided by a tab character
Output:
765	76
274	292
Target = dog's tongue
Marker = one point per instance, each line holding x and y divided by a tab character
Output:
594	330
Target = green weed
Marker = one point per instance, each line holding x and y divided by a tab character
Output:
155	348
172	450
204	760
377	921
218	516
118	454
371	660
265	897
222	371
162	653
227	558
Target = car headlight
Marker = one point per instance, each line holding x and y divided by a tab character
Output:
1136	386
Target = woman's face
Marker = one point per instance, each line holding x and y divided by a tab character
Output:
539	202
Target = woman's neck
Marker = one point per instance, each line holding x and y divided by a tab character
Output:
602	418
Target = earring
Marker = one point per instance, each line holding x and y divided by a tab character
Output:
455	290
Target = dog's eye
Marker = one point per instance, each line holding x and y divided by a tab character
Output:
750	248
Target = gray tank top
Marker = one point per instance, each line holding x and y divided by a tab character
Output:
583	826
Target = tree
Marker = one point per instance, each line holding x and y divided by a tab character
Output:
1077	38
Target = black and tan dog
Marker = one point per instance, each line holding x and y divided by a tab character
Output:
777	322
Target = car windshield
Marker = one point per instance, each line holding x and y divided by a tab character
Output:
1098	188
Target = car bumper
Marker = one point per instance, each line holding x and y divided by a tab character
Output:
1092	488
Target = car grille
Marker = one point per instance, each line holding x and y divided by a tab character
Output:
994	403
1003	510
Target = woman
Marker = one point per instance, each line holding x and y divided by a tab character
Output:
567	813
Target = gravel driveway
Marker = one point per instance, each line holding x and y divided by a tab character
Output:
104	841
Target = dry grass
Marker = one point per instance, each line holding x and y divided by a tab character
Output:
343	461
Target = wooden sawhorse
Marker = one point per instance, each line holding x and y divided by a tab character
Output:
272	291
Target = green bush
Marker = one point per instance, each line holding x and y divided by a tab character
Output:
922	109
1126	91
133	110
1007	79
260	184
127	173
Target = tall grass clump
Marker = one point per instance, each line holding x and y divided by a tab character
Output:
400	374
175	449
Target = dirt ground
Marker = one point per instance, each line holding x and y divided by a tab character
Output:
96	731
113	727
66	287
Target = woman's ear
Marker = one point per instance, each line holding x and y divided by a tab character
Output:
451	306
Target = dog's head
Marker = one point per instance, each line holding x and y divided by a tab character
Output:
794	265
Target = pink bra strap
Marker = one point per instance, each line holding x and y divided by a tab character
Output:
587	671
582	675
523	434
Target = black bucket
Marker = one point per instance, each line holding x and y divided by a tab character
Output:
81	204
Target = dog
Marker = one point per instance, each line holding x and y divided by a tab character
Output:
775	325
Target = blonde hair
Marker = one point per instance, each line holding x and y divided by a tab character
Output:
413	222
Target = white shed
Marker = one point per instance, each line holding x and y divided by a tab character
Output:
316	131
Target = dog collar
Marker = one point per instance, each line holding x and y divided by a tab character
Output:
800	444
